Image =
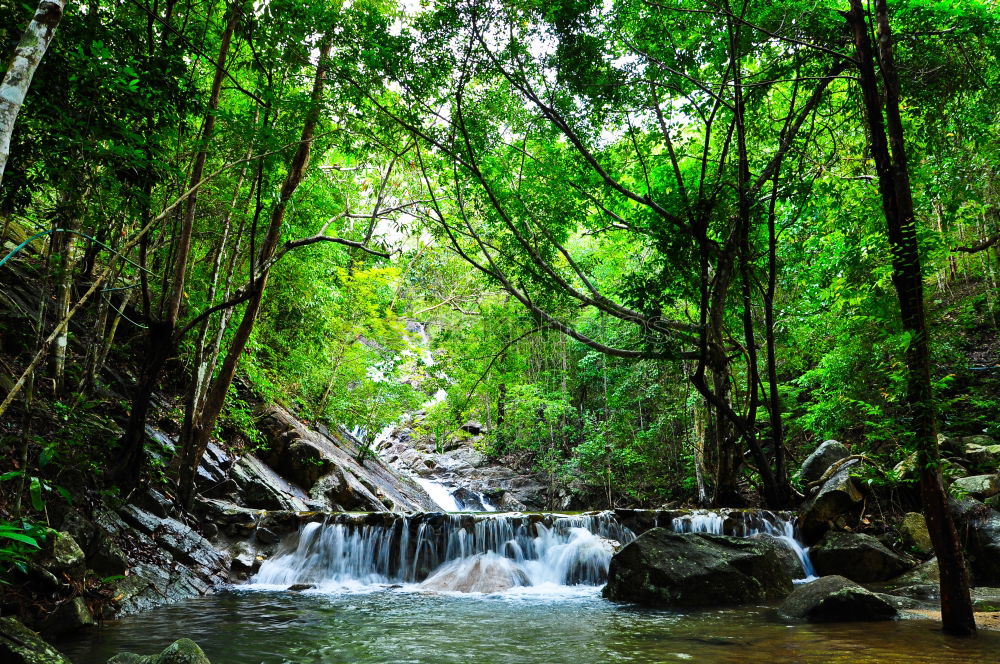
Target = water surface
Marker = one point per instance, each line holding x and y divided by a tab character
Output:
557	625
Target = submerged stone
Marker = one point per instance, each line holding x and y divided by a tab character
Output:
181	651
663	568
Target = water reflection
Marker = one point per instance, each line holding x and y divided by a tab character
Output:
403	626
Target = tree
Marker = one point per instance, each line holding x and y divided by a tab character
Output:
889	152
34	42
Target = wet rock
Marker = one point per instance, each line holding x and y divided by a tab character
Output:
182	651
856	556
821	459
20	645
838	495
70	616
979	527
108	559
977	486
663	568
913	533
469	501
80	528
834	599
790	561
299	587
267	536
484	573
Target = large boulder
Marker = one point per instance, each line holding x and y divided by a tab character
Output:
667	569
980	528
977	486
182	651
981	450
856	556
20	645
834	599
838	495
821	459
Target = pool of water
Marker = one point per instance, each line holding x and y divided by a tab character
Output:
556	626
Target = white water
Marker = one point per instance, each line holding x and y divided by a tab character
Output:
440	494
748	524
460	553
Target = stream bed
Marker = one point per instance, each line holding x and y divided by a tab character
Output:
562	624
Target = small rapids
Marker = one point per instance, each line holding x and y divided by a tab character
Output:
488	553
483	553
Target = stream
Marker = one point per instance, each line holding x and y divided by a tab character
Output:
494	587
575	626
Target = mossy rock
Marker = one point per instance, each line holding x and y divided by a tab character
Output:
20	645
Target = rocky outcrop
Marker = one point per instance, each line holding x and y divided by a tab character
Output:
667	569
835	599
856	556
182	651
824	456
335	468
838	495
20	645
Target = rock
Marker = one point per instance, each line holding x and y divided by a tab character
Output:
837	495
469	501
472	427
299	587
858	557
790	561
913	532
182	651
63	556
821	459
483	573
81	528
834	599
667	569
267	536
69	617
981	450
20	645
977	486
980	528
923	574
107	559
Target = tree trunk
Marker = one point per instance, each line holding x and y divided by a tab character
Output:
197	441
897	204
34	42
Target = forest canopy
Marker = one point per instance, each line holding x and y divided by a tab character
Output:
643	243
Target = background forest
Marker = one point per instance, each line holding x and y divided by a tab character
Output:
642	243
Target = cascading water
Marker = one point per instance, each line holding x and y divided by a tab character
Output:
742	523
481	553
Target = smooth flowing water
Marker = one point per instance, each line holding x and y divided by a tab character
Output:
572	627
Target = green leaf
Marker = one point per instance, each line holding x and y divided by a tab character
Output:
21	538
36	494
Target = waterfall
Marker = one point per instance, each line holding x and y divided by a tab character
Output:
485	552
450	551
748	523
